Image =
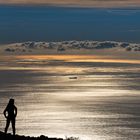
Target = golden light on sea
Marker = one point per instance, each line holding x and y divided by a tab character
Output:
78	58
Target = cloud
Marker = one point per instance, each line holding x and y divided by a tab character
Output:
101	3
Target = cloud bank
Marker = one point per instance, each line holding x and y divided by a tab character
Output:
95	3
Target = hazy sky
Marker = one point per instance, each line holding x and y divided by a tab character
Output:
102	3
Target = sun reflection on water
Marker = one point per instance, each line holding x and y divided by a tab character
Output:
101	103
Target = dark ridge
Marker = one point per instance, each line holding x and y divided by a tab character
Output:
4	136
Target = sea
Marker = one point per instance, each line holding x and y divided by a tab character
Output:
20	23
67	98
63	97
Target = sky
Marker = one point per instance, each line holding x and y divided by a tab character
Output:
95	3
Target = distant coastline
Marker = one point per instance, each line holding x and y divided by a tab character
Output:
88	51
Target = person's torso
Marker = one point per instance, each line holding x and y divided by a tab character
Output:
11	111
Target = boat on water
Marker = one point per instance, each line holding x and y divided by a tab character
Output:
73	77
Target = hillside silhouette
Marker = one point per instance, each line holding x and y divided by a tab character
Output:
8	136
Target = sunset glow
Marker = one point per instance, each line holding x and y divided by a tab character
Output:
77	58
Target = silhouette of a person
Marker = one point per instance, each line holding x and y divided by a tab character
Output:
10	114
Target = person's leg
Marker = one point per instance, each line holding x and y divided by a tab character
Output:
7	125
13	126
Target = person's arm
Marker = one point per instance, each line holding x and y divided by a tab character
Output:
15	111
4	112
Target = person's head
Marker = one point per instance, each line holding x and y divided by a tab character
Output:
11	101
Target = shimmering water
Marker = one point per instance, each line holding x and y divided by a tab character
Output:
102	103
